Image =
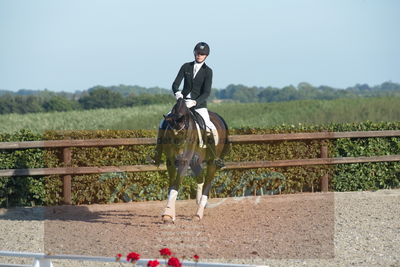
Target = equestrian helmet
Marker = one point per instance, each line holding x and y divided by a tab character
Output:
202	48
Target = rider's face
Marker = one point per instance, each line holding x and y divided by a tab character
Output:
199	57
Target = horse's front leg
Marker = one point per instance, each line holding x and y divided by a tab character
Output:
168	215
176	169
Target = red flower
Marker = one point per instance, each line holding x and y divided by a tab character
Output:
165	252
118	257
174	262
154	263
133	257
196	258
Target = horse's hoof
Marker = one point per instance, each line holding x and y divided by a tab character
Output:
168	219
196	218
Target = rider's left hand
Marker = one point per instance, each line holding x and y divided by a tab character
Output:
190	103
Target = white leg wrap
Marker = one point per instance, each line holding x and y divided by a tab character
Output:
200	208
170	209
199	193
173	194
203	201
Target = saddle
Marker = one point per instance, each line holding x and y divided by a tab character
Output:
201	127
198	119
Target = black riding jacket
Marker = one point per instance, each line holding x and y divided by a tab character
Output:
199	87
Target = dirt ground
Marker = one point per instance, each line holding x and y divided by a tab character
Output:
298	226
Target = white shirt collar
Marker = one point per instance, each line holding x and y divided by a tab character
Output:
200	64
197	66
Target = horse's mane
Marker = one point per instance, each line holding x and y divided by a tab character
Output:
180	108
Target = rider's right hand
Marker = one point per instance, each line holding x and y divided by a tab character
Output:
178	95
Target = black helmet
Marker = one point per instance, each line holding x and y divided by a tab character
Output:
202	48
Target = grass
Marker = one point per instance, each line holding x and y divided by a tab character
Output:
237	115
262	115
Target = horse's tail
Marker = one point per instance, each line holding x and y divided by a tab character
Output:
227	146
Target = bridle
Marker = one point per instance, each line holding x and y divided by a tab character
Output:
175	117
172	124
177	131
177	123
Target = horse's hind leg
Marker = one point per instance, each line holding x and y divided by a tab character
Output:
199	192
199	174
211	169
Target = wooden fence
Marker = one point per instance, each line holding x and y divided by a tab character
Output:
67	172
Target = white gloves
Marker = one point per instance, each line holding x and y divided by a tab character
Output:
178	95
190	103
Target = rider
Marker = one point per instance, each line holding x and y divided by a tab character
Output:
197	78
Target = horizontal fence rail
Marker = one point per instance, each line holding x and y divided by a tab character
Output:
228	166
44	260
67	172
249	138
310	136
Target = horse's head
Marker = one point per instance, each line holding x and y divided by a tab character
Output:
180	109
178	118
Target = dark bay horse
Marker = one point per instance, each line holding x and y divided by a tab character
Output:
183	147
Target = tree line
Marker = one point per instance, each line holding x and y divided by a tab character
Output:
304	91
93	99
31	101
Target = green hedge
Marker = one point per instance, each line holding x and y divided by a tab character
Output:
22	191
116	187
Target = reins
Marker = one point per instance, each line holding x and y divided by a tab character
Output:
185	125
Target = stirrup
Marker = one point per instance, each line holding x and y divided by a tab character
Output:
219	163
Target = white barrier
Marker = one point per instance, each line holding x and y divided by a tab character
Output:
44	260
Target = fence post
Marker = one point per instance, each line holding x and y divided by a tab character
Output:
325	177
67	156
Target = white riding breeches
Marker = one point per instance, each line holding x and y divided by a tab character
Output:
209	125
206	117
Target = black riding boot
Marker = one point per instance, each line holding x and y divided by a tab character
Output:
212	150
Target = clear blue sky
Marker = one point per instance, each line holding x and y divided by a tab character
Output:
69	45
